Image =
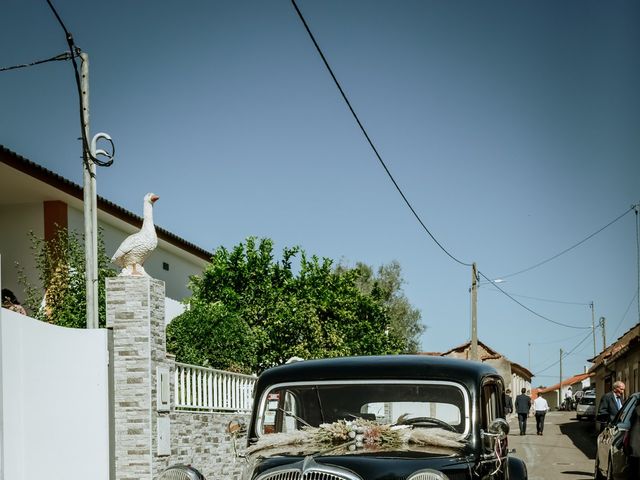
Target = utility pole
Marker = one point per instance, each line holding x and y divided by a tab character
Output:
560	384
603	322
474	312
593	328
636	209
90	204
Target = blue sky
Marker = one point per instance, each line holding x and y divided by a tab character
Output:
511	127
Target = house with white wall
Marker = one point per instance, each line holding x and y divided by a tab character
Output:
33	198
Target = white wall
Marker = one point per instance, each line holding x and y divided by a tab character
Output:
53	401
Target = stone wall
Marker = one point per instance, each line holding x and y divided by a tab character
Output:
200	439
135	312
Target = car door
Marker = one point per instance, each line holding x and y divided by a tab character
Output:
492	407
613	438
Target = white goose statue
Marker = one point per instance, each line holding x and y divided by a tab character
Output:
135	249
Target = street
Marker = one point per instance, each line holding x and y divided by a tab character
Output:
566	450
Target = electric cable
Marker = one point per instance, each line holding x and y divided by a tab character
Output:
57	58
564	355
635	295
75	51
366	135
549	300
529	309
550	342
570	248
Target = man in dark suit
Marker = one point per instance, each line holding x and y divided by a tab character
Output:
611	402
523	405
508	403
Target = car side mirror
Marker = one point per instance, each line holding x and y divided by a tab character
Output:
499	427
235	428
496	432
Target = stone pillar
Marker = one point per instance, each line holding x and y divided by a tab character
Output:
135	312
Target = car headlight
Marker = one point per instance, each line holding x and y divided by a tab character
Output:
181	472
428	474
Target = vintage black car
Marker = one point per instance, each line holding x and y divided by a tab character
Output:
612	461
398	417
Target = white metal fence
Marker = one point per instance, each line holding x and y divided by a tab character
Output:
200	388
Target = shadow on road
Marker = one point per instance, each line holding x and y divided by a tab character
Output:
587	475
582	434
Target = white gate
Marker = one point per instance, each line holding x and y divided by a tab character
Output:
54	401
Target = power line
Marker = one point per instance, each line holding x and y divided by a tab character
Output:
565	355
585	304
570	248
61	57
375	150
75	51
555	341
529	309
635	295
406	201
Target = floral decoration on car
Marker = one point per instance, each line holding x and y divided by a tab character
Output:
360	434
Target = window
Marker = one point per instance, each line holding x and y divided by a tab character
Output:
286	408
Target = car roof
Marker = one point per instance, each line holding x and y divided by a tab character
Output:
388	367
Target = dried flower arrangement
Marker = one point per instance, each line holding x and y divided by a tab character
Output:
358	434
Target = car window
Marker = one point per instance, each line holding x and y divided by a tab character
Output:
588	400
287	408
623	418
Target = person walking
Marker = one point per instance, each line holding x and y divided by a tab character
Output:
611	402
540	407
523	405
508	403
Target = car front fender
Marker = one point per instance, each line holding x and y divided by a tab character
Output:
517	469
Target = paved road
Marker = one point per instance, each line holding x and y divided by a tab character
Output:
566	451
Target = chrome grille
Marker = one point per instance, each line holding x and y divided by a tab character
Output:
315	475
282	475
330	473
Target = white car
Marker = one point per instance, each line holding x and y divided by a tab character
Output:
586	407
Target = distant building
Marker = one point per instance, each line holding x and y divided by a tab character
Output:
33	198
619	361
569	387
515	376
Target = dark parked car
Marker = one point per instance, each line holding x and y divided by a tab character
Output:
397	417
611	458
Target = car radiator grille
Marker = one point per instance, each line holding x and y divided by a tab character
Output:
298	475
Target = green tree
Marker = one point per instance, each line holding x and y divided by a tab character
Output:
311	311
208	334
386	286
60	264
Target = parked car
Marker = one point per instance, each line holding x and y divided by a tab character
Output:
396	417
611	458
586	407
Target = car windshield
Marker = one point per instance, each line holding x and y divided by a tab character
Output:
588	401
287	408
